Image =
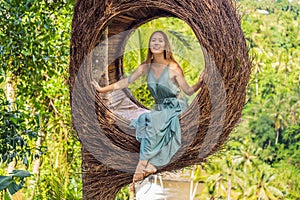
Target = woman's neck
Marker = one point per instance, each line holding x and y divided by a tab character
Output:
159	59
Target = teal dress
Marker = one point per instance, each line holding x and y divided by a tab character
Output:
158	131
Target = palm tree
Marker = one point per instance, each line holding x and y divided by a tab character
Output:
245	156
220	173
260	185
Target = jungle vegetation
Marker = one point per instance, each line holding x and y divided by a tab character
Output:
41	155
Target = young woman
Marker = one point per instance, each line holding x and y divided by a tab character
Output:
158	131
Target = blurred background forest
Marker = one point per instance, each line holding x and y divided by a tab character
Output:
41	156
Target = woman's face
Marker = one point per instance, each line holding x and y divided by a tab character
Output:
157	43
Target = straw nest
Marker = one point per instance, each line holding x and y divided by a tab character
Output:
109	148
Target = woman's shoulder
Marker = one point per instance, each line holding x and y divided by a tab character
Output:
144	67
174	66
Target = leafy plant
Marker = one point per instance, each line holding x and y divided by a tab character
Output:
14	182
15	137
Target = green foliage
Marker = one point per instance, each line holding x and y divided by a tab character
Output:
291	135
53	186
34	48
261	160
123	194
291	145
288	178
240	172
14	134
15	140
264	149
14	182
263	129
274	96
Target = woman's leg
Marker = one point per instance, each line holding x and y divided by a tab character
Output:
131	191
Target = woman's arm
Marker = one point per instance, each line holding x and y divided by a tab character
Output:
186	88
123	83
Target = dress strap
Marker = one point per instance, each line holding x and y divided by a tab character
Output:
129	78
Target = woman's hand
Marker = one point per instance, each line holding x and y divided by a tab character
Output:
96	86
201	80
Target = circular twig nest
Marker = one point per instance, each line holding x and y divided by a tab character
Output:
110	151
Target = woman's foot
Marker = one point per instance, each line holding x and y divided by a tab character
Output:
139	171
143	169
150	169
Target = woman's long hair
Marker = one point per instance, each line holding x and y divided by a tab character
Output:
168	55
